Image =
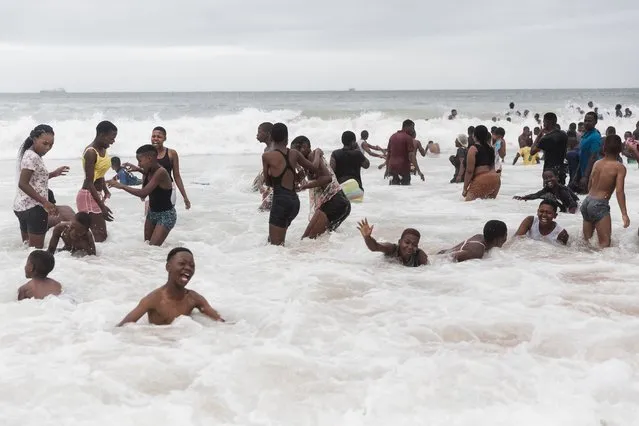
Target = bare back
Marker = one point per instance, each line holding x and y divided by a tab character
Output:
604	178
39	288
275	162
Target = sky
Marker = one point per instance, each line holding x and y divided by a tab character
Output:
255	45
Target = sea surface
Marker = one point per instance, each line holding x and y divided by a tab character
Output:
318	332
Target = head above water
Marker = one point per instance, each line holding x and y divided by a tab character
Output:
279	134
511	105
349	139
180	265
550	179
547	212
364	134
550	120
495	233
147	156
500	132
573	127
105	134
116	163
302	144
611	131
461	141
409	242
481	134
612	145
40	139
39	264
408	125
264	132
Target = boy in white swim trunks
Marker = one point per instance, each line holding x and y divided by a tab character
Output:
608	175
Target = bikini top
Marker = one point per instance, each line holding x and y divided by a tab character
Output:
277	180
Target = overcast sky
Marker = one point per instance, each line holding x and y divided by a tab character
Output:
198	45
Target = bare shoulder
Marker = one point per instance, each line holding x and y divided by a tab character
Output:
172	153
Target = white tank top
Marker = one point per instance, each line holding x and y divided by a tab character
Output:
534	233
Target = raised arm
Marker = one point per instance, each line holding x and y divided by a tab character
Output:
323	175
175	161
525	226
55	237
203	306
621	195
537	195
366	230
138	312
535	148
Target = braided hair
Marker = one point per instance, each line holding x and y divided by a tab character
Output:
37	131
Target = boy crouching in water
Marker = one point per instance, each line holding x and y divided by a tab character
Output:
165	304
38	267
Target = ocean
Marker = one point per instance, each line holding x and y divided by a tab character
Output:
319	332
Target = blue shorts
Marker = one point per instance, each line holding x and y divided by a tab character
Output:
593	209
167	218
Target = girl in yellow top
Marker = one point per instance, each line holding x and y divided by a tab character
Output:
94	192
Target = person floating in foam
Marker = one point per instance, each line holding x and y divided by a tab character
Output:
543	227
165	304
495	235
406	250
38	267
76	235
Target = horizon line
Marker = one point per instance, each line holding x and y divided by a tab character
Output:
350	90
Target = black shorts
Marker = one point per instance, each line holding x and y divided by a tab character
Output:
336	210
33	221
284	208
400	179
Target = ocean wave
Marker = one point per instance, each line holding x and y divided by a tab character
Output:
234	133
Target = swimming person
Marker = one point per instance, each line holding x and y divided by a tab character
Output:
75	234
165	304
158	186
31	205
38	267
169	159
347	163
96	163
608	176
63	213
279	166
559	194
481	180
368	148
543	227
494	235
124	176
329	205
406	250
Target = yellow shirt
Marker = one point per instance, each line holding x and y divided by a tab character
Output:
102	164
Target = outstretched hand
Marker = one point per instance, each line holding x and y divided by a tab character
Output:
112	183
61	171
364	228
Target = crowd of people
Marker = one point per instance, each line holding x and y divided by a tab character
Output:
579	161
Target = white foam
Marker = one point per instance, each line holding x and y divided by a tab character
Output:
325	332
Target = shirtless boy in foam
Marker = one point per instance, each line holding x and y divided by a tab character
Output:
172	300
39	265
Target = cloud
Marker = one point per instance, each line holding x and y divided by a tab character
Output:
286	44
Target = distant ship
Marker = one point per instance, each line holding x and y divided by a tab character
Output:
351	89
58	90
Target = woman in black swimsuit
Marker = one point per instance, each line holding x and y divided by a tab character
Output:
279	166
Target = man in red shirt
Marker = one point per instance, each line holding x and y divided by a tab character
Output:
399	154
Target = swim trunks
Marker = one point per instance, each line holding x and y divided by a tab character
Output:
284	208
167	218
337	209
33	221
594	209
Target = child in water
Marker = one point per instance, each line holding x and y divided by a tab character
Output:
76	235
494	235
172	300
38	267
406	250
543	226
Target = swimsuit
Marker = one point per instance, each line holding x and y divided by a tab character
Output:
166	163
594	209
285	205
161	210
331	200
413	260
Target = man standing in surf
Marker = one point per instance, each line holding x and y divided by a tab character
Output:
96	163
399	154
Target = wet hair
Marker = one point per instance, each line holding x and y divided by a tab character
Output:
612	145
177	250
551	118
348	138
299	141
549	203
37	131
105	127
611	131
84	219
406	124
364	134
43	263
494	229
115	161
160	129
267	126
410	231
146	149
279	133
499	131
593	115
